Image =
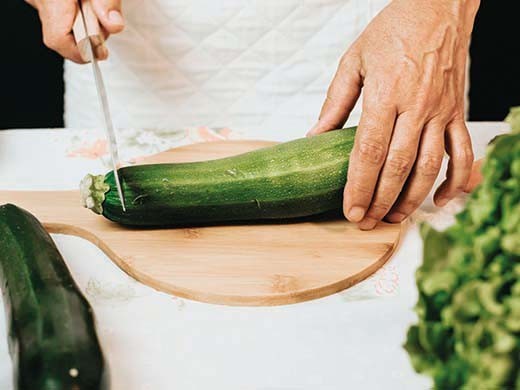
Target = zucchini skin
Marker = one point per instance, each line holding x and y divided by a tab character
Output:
295	179
52	338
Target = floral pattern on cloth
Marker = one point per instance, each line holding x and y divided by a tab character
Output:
91	151
440	218
123	292
135	144
383	283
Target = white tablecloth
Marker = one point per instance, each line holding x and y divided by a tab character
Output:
155	341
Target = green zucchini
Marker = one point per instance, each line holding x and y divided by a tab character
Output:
52	339
295	179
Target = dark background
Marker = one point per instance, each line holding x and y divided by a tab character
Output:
31	77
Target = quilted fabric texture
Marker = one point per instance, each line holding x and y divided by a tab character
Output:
256	66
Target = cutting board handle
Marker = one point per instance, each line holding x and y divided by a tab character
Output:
95	34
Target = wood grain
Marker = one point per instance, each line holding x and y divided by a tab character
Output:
252	264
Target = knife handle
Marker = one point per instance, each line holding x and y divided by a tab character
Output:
95	34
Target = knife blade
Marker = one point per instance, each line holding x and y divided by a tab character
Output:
84	8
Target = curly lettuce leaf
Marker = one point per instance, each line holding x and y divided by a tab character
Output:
468	334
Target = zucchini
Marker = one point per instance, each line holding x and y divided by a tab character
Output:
52	339
295	179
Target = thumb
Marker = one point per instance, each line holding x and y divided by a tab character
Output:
109	15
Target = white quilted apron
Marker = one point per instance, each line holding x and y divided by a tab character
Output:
260	67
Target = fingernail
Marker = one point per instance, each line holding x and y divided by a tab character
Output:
367	224
356	214
396	217
116	18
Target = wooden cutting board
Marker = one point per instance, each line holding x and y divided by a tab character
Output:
251	264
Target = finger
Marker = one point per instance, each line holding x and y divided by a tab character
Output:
423	175
64	45
69	49
109	14
100	48
101	52
57	20
105	33
368	155
396	168
476	176
458	146
342	96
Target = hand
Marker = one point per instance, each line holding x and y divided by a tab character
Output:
57	17
411	63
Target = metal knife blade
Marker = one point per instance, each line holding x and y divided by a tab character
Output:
103	100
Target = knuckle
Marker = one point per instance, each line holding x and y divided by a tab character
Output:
384	98
437	119
372	151
116	4
413	204
379	209
360	189
344	60
50	41
410	205
399	164
421	106
449	194
460	187
429	165
53	40
331	99
457	112
349	58
465	156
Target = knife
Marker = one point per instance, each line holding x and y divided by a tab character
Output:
89	40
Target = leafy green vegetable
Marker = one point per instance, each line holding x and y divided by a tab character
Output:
468	335
514	119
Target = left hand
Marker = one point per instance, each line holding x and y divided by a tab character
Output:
411	64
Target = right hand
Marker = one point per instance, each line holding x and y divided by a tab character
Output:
57	17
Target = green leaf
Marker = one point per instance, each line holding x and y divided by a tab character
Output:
468	334
514	119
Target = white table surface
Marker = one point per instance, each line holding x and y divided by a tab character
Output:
155	341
